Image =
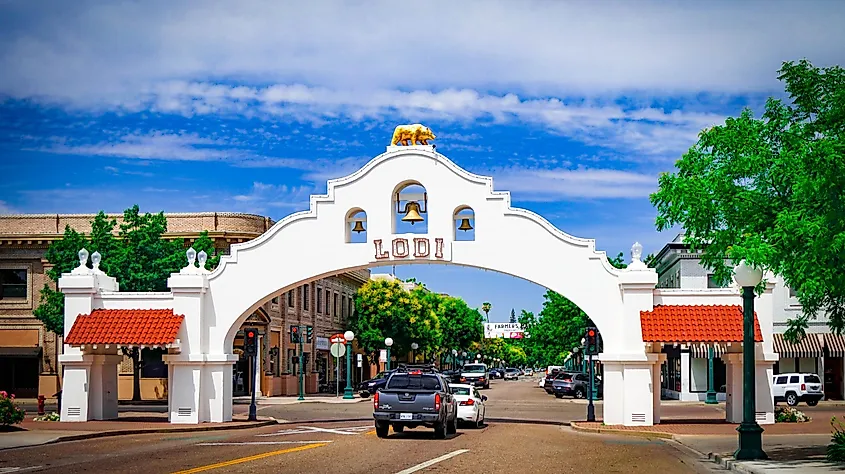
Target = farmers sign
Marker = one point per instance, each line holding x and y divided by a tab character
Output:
505	330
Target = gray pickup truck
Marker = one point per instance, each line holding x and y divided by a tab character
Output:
415	397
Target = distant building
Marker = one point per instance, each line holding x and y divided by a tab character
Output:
29	353
408	285
685	372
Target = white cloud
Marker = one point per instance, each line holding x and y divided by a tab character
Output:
539	185
278	199
153	146
105	52
5	208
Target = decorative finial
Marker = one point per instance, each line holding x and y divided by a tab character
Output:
192	256
82	269
202	257
96	258
83	257
410	135
636	252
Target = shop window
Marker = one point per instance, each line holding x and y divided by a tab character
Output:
351	306
319	300
290	299
343	307
328	302
305	297
12	283
712	282
336	312
153	367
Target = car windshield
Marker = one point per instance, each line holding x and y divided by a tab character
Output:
475	368
414	382
460	390
512	370
812	379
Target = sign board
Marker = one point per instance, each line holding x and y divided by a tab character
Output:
322	343
505	330
338	339
382	355
338	349
360	360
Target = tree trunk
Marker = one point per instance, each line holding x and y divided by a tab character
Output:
136	374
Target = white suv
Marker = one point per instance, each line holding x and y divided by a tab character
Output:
795	388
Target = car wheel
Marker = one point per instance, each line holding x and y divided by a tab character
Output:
558	395
792	400
812	403
579	393
452	427
365	395
487	386
398	428
382	429
440	431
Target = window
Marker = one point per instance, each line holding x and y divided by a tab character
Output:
12	283
291	367
290	299
328	302
423	382
351	306
460	391
581	378
305	297
276	301
793	379
781	380
343	306
713	283
812	379
319	300
336	312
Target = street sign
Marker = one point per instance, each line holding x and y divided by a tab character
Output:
338	349
360	360
382	355
338	339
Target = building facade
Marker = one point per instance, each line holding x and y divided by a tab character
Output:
29	354
685	374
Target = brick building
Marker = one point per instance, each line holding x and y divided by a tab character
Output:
29	354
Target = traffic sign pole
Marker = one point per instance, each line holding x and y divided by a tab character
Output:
301	369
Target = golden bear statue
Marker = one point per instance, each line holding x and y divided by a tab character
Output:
412	135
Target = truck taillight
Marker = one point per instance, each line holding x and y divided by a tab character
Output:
437	401
803	387
375	401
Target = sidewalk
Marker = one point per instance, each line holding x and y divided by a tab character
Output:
34	433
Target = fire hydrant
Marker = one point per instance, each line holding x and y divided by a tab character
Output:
41	399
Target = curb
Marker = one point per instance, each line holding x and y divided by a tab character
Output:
528	421
633	433
108	434
731	464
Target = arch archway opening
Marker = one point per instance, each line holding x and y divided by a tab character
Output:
463	224
410	208
356	226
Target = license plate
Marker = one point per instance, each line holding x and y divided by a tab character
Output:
406	416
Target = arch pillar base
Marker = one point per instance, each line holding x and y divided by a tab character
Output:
629	391
200	388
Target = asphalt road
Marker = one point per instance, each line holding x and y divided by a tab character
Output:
352	447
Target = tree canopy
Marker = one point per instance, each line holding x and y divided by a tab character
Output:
771	190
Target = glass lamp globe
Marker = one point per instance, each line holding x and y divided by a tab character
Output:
388	341
746	275
454	352
349	336
415	346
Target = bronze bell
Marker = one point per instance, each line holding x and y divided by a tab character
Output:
358	227
465	225
412	213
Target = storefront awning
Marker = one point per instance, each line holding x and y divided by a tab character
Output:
811	346
25	352
125	327
835	345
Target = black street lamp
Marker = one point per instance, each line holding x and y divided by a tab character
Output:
750	433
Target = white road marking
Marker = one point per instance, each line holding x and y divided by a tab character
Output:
285	432
244	443
432	462
329	430
310	429
8	470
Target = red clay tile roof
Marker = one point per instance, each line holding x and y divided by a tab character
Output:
130	327
695	323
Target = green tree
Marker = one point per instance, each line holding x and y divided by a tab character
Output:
486	307
424	325
770	190
513	316
462	326
382	309
558	328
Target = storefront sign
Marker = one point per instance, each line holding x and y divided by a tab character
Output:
322	343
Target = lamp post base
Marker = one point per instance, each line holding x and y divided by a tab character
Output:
750	442
711	399
348	394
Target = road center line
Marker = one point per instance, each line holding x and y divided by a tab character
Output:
432	462
249	458
247	443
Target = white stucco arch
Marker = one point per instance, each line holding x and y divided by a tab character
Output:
309	244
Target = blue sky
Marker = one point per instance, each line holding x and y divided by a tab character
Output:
250	106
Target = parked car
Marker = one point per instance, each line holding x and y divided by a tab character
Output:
529	372
497	373
369	387
475	374
571	384
511	374
471	407
415	396
549	379
794	388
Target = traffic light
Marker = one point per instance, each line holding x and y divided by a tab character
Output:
294	333
591	345
309	332
250	341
